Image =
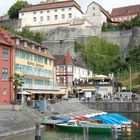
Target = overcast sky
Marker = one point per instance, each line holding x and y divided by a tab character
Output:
106	4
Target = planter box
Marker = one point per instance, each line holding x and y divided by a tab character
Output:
17	107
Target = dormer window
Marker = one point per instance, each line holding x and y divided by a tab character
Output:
17	41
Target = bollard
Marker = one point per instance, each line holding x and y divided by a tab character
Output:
85	131
37	132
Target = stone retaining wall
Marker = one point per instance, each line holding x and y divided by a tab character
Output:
116	106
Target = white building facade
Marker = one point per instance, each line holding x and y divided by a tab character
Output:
80	72
96	15
49	14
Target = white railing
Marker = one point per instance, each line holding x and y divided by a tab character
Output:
41	87
43	74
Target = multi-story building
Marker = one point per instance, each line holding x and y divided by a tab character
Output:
121	14
6	67
68	71
96	15
49	14
36	64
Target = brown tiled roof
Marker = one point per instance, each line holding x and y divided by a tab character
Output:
59	60
54	5
128	10
42	53
48	55
5	38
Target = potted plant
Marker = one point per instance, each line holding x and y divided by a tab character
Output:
17	81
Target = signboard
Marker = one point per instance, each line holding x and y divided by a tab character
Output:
88	94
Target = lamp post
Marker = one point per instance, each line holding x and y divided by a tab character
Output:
130	78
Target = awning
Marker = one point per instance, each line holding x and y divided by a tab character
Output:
45	92
24	93
88	89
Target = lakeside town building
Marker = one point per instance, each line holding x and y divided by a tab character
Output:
68	71
36	64
49	14
121	14
6	67
96	15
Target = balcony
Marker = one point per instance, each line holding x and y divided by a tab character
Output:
40	87
41	74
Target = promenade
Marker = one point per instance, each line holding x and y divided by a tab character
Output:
13	122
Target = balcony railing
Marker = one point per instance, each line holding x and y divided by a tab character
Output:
40	87
42	74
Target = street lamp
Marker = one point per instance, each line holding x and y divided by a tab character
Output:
130	78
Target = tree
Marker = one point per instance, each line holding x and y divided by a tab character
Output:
136	21
17	81
125	25
104	27
14	9
99	55
39	37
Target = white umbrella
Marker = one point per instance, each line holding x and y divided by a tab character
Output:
101	77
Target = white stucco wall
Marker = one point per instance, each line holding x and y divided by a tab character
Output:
94	15
27	18
80	72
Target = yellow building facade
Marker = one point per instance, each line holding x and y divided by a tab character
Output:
36	64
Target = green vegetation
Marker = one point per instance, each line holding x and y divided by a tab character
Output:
124	25
99	55
17	81
103	58
124	75
34	36
14	9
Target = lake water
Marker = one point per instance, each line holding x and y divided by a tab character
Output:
51	134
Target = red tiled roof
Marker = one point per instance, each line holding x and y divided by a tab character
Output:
54	5
5	38
128	10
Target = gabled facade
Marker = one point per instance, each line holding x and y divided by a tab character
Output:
121	14
6	67
69	70
49	14
96	15
64	70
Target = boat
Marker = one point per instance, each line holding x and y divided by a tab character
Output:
76	126
65	119
115	120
